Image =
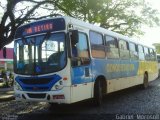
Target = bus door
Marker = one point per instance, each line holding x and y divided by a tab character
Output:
80	69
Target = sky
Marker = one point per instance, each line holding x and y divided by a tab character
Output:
151	36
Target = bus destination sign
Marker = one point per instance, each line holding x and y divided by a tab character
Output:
39	27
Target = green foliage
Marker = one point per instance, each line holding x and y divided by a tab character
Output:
123	16
4	85
157	46
158	49
3	71
16	13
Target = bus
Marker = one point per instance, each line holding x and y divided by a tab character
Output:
65	60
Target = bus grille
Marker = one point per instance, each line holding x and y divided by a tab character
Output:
36	81
37	88
36	95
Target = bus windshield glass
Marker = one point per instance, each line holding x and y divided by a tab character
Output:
40	54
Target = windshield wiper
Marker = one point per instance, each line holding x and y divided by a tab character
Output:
23	40
47	35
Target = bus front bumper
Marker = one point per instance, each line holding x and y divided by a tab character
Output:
59	96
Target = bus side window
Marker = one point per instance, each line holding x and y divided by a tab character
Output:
133	51
141	53
82	46
97	45
80	51
124	49
158	58
155	56
152	55
147	55
111	47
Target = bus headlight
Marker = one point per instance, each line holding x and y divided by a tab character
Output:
58	85
17	86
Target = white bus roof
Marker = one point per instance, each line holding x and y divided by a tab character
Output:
93	27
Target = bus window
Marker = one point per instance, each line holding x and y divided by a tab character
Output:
82	46
155	57
124	52
152	54
146	51
133	51
141	53
20	58
158	58
111	47
80	50
97	45
48	48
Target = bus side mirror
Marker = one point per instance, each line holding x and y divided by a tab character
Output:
74	37
4	52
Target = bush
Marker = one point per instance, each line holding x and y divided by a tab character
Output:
4	85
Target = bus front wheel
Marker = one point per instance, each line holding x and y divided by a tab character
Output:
98	93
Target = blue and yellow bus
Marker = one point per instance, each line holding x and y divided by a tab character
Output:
65	60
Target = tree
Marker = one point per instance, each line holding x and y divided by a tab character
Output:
122	16
157	46
16	13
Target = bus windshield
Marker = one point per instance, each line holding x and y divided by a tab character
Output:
40	54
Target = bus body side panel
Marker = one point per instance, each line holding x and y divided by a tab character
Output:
128	75
151	67
81	87
135	78
122	83
121	74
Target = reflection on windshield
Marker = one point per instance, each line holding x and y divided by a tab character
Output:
40	54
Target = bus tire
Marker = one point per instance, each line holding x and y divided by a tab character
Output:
145	81
98	94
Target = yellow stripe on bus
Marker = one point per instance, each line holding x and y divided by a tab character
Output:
149	66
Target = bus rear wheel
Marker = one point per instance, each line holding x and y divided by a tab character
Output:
98	93
145	81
